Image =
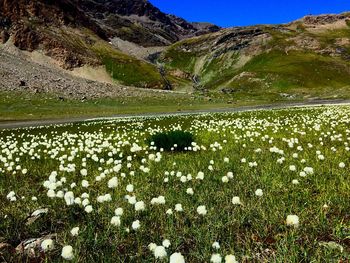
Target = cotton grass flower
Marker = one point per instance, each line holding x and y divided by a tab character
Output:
88	209
130	188
190	191
75	231
201	210
230	259
119	211
140	206
152	246
169	211
166	243
224	179
177	258
295	182
236	200
216	245
116	221
259	192
113	182
67	252
47	245
160	252
136	225
341	165
178	208
216	258
292	220
85	183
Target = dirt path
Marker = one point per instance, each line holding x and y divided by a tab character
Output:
37	123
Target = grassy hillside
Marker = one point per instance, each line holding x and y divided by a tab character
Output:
297	60
123	68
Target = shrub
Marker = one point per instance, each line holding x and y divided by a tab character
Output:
167	140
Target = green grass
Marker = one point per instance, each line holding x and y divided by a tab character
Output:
128	70
26	106
123	68
254	231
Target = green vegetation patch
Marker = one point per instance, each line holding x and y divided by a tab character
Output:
172	141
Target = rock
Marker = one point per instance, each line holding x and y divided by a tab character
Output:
36	215
31	247
4	36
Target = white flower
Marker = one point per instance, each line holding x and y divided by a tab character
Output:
85	202
292	220
152	246
83	172
230	259
295	181
115	221
67	253
309	170
177	258
160	200
292	168
226	160
216	258
131	199
169	211
190	191
85	183
321	157
259	192
166	243
230	175
136	225
119	211
341	165
88	209
47	245
75	231
302	174
130	188
10	195
236	200
224	179
160	252
140	206
200	176
201	210
113	182
216	245
178	208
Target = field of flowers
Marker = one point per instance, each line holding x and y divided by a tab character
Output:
259	186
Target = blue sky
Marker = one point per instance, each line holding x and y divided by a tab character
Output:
250	12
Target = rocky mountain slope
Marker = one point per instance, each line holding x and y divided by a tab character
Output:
308	57
81	32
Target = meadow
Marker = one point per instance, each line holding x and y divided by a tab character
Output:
257	186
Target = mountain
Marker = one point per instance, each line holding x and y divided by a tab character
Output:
140	22
305	58
81	32
140	46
